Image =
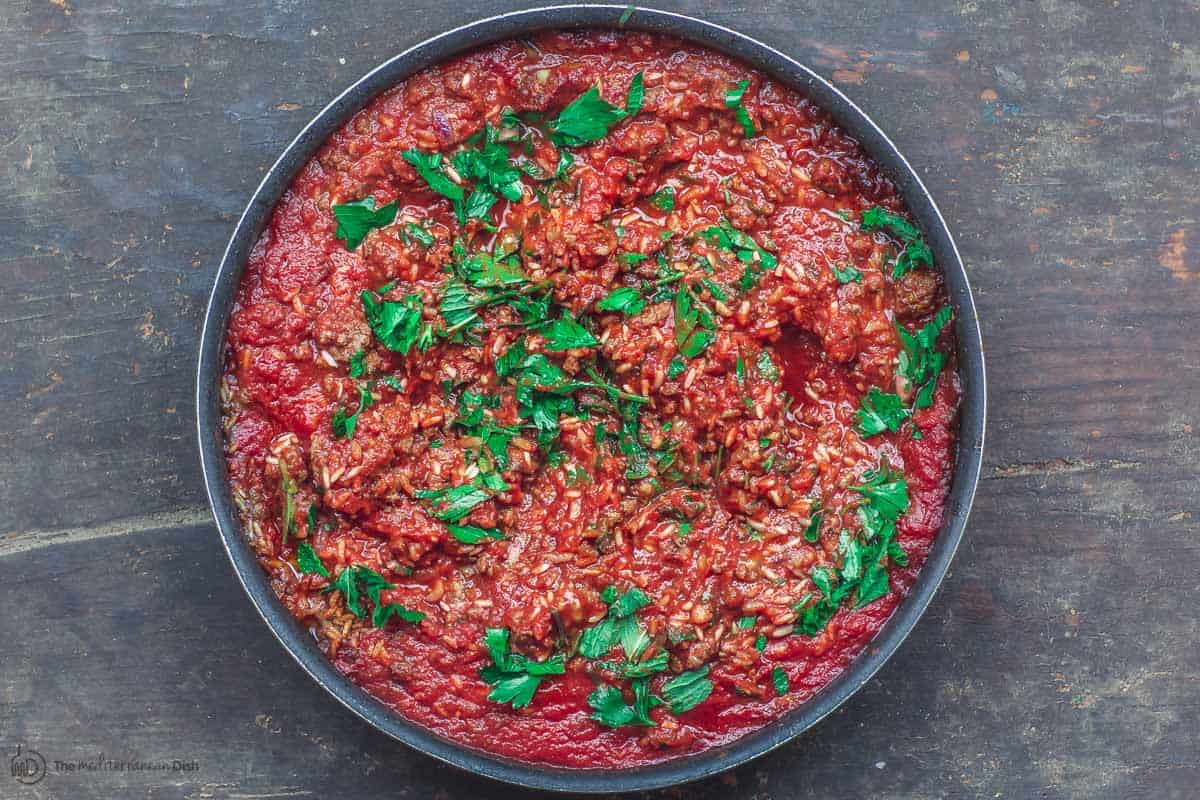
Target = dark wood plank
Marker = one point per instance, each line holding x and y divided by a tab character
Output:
1061	139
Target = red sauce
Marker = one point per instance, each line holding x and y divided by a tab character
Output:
759	425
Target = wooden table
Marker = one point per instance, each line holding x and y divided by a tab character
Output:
1060	658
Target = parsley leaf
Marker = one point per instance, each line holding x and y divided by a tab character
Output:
397	325
455	503
619	627
880	412
664	198
412	230
514	676
611	710
847	275
567	334
733	99
357	367
344	424
919	362
863	571
779	680
470	534
287	526
490	167
812	533
886	491
745	248
429	167
355	220
356	580
694	324
384	613
625	299
915	251
309	562
688	690
676	368
589	117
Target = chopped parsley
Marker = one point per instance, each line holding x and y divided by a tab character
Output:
357	367
429	167
879	412
862	572
919	363
513	676
589	117
694	324
618	627
567	334
625	299
612	711
455	503
675	368
664	198
688	690
745	248
309	562
396	324
415	232
733	99
747	622
779	680
345	424
355	220
848	274
766	367
915	251
357	580
812	533
470	534
287	522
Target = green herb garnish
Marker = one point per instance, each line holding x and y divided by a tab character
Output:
309	562
355	220
429	167
625	299
514	677
618	627
879	412
470	534
733	99
847	275
779	680
694	325
688	690
589	117
919	363
915	251
745	248
664	198
612	711
287	524
345	424
397	325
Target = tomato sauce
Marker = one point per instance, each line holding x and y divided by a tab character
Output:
713	472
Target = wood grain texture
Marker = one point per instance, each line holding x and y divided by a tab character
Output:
1061	139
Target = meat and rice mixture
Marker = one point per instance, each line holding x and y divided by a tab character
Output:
591	398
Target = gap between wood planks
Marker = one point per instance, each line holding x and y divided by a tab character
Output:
24	541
